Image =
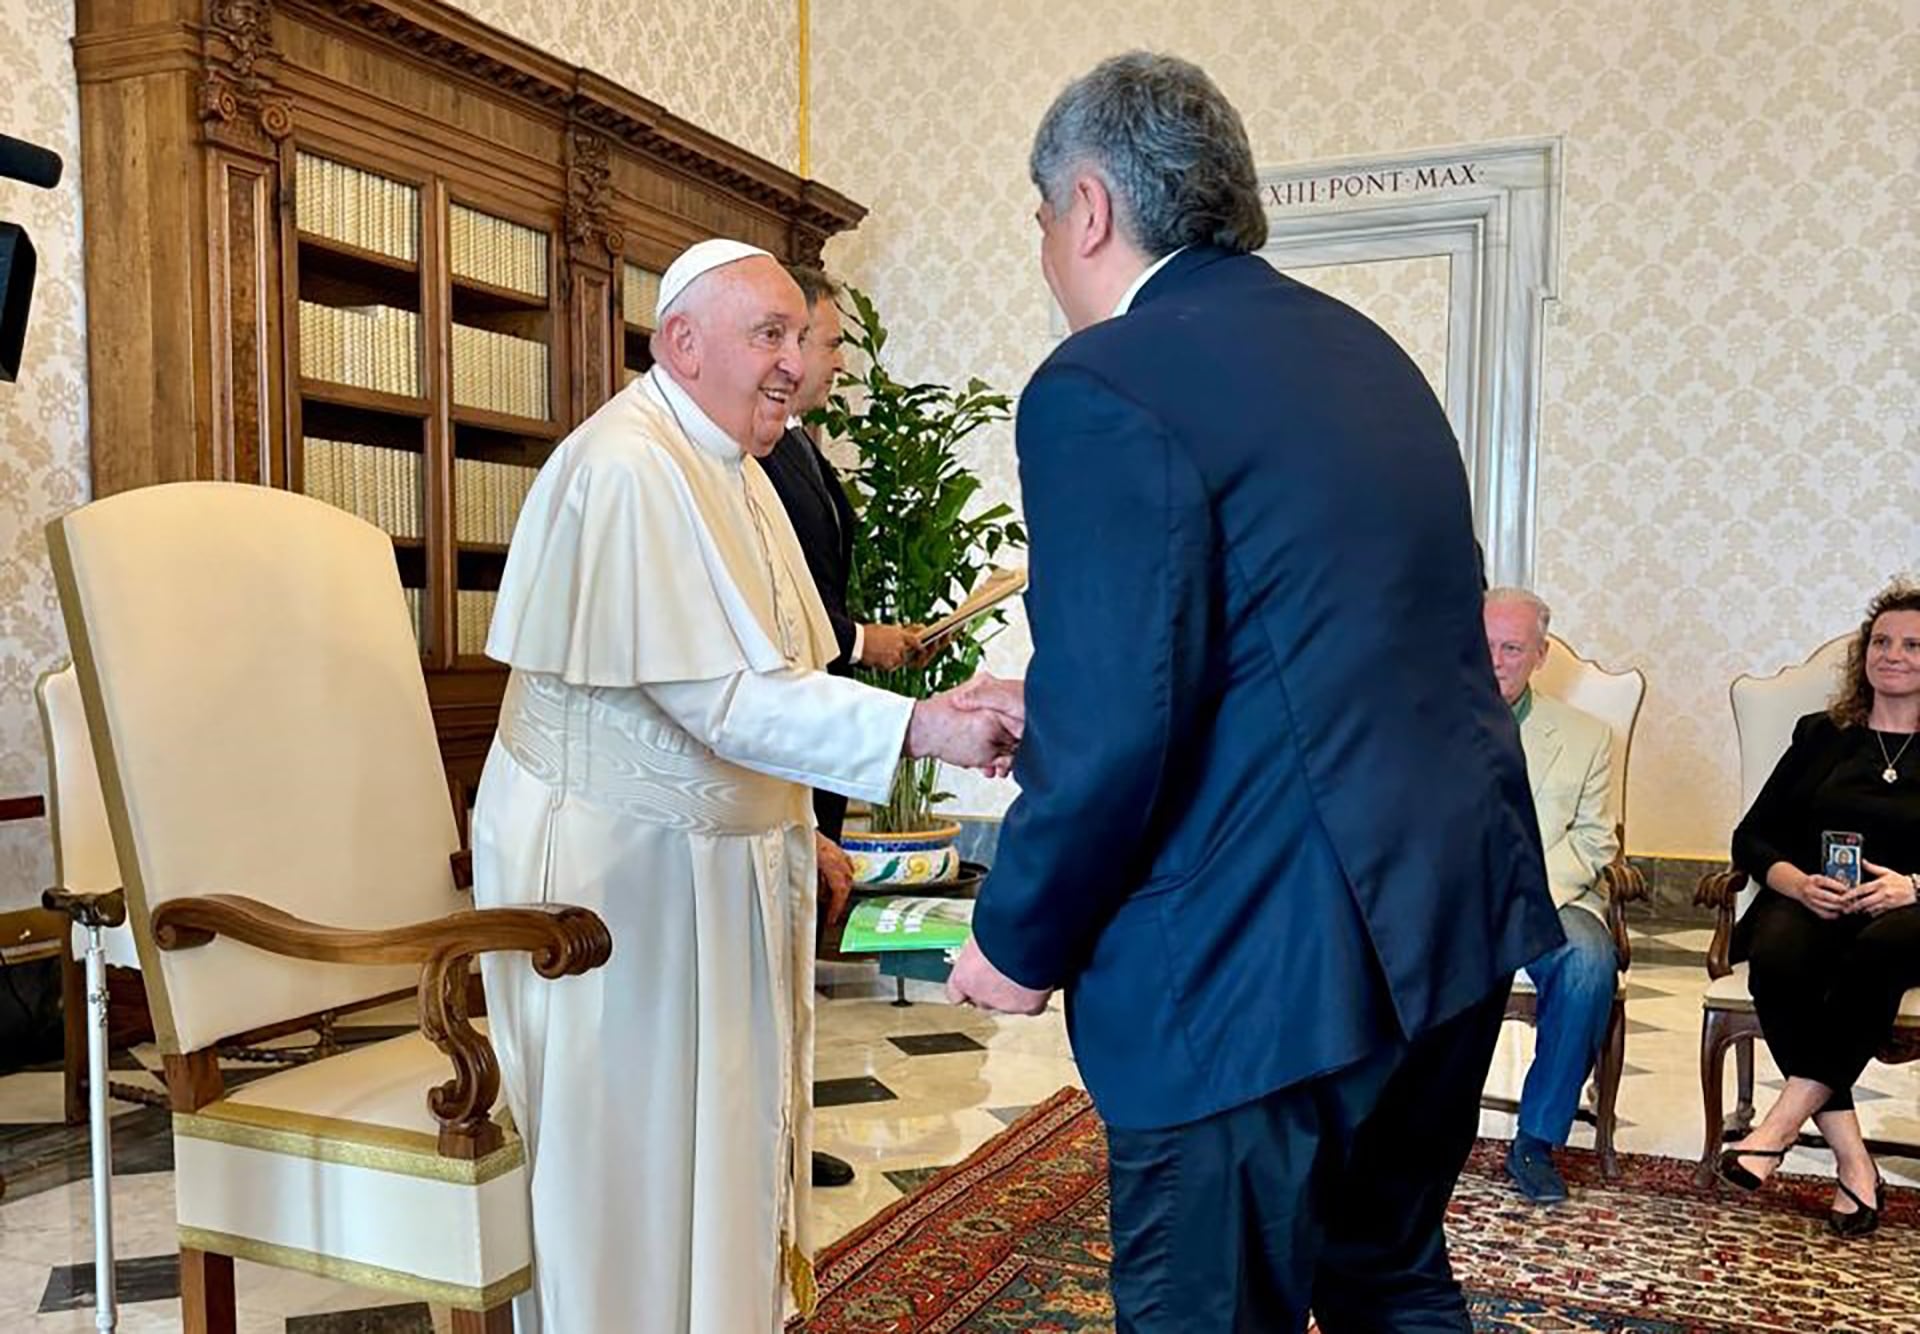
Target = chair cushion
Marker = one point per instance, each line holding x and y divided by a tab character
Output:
1730	993
332	1168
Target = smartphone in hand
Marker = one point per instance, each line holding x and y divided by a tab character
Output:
1840	857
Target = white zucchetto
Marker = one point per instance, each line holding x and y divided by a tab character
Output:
698	258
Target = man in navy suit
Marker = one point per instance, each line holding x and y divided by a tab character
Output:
1275	838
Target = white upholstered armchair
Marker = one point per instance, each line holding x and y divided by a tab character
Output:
283	825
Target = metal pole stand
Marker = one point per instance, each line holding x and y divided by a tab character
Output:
96	912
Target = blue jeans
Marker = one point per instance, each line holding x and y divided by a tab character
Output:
1575	983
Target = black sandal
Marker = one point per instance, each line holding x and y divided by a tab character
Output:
1730	1171
1863	1220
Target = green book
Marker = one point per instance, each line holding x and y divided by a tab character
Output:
904	922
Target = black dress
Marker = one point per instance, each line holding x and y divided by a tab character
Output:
1827	992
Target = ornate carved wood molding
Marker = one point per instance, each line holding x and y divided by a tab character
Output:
591	235
238	100
434	32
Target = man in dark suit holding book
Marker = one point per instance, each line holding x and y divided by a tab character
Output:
1275	837
823	520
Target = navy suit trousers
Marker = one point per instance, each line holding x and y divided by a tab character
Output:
1327	1196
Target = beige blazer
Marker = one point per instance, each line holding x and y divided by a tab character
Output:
1570	767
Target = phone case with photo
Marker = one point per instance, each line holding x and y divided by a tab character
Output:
1840	857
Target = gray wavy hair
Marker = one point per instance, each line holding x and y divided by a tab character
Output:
1167	144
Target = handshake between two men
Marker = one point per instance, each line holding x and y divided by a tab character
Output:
975	726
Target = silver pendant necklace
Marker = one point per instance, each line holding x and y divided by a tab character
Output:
1891	774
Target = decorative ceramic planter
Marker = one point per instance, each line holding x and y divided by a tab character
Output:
924	858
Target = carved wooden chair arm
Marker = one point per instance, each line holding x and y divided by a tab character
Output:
1622	883
563	940
1720	891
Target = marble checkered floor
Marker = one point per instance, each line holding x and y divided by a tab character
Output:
901	1091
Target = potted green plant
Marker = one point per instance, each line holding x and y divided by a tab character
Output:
917	553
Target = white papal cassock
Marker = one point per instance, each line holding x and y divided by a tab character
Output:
663	721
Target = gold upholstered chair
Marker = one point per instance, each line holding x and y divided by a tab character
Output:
280	815
1765	709
1614	698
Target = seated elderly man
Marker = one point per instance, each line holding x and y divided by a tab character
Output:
1569	768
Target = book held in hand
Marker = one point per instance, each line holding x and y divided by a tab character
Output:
997	587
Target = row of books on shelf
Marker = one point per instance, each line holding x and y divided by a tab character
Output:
380	485
487	498
357	207
639	294
499	372
495	251
472	614
371	347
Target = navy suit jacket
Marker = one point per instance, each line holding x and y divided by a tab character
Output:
1274	815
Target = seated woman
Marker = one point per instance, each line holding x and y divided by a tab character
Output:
1828	963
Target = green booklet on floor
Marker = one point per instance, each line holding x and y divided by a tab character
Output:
904	922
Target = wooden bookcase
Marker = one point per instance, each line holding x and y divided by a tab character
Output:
379	252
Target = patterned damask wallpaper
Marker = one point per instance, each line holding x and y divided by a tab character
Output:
1729	461
729	66
43	417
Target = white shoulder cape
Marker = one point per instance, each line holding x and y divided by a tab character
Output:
635	560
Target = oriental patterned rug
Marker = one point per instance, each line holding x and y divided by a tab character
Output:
1015	1239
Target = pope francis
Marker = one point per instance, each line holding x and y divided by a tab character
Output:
666	715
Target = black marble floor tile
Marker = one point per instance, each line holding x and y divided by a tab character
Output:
1006	1116
151	1278
910	1179
1641	991
34	1158
935	1044
408	1318
846	1092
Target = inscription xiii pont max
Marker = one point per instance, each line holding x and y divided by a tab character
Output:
1360	184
